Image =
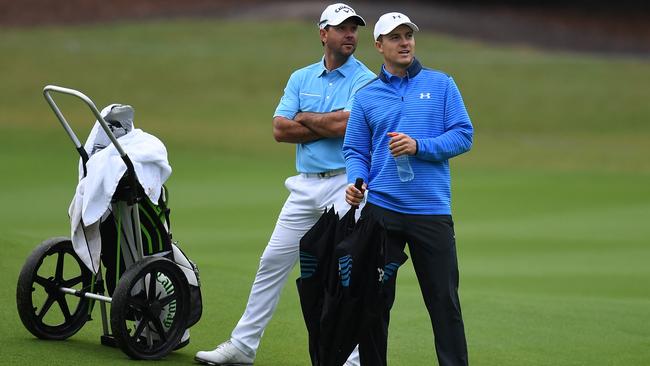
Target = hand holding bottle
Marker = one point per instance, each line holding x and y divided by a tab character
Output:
401	146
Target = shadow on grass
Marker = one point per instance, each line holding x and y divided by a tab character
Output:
82	352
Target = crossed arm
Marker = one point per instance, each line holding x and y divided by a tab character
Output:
310	126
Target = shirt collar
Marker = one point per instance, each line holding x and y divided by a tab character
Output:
387	75
411	71
346	69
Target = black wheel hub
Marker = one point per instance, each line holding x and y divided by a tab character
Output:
52	286
155	309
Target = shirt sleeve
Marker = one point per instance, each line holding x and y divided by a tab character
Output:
458	135
289	104
361	81
356	145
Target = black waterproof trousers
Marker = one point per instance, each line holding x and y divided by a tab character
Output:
432	246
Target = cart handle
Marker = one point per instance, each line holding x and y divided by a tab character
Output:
84	155
93	109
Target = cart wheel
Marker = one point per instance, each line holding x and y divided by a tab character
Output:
150	308
52	265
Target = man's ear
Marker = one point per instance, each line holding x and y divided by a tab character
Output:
323	35
378	46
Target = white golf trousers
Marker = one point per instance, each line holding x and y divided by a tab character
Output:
308	198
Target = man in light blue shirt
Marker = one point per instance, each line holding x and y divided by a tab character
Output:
314	110
312	114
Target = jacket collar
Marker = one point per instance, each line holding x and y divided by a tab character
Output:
411	71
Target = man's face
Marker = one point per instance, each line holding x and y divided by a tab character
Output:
398	46
341	39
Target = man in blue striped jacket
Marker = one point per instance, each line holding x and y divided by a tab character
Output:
409	112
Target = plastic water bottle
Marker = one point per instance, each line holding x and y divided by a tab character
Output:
404	170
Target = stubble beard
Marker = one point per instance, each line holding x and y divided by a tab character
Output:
341	54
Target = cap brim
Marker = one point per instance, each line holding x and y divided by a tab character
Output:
412	25
359	20
409	24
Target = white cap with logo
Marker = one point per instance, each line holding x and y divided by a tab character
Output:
390	21
336	14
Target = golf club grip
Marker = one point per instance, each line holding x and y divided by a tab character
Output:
358	184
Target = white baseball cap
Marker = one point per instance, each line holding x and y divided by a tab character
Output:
390	21
336	14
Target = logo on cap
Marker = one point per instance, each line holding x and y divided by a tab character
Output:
345	8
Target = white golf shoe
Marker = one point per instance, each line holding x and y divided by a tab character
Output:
226	354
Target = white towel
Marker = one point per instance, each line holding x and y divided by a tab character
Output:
105	168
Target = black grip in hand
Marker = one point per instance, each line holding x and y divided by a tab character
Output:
358	184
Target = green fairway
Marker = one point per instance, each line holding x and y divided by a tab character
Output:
551	206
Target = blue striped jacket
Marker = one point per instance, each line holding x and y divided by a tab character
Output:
429	109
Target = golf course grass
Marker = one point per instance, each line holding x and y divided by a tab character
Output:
552	205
